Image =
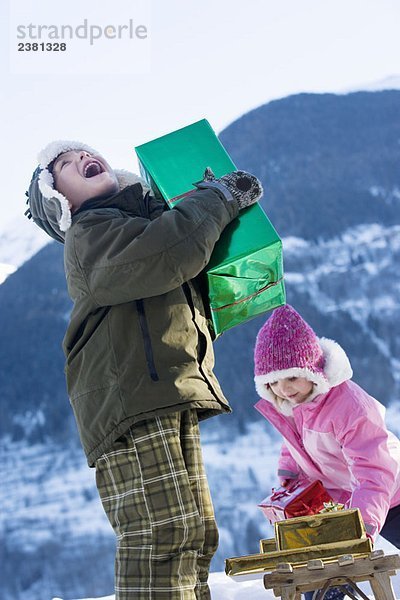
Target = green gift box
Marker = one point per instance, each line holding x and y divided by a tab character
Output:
244	277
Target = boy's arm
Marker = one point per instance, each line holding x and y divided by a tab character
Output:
122	259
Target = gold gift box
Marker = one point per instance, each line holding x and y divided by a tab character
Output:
322	528
268	545
267	561
322	536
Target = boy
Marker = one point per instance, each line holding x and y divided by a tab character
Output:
139	357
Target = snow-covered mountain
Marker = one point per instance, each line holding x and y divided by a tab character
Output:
20	239
354	274
329	165
53	522
54	525
391	82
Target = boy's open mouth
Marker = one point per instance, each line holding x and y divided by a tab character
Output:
92	169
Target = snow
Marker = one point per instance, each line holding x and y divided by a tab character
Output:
292	243
392	82
251	586
70	501
225	588
20	239
258	450
6	270
44	490
353	273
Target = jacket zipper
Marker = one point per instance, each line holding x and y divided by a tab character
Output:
148	348
200	334
144	326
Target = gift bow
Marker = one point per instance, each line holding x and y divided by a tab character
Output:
285	491
331	507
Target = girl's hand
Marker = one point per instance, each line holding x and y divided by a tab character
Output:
285	482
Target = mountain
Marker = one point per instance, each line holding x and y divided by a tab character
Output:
19	241
331	155
391	82
34	308
329	167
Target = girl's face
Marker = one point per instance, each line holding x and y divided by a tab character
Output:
294	389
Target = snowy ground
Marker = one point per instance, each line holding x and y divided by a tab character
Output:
248	460
224	588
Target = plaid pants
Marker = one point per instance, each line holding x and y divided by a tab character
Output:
154	490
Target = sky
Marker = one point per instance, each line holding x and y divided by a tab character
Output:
200	59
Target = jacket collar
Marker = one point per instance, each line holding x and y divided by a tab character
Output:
130	200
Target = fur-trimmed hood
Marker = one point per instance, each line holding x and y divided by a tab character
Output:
336	370
49	208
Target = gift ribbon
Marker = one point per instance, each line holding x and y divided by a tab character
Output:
180	197
286	491
257	293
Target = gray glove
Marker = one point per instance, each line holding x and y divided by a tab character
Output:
245	188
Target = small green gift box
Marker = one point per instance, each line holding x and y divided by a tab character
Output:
244	277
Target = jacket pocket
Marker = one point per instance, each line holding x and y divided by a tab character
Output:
90	364
148	348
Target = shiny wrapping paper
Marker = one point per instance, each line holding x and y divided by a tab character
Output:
267	561
315	530
302	497
173	163
244	277
268	545
325	536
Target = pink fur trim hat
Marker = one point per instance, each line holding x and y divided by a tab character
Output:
287	346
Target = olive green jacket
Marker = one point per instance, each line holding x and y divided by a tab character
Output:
137	344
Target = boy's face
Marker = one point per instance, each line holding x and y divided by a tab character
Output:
294	389
80	176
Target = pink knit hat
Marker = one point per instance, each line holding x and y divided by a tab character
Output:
287	346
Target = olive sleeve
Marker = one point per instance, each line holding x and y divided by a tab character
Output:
121	259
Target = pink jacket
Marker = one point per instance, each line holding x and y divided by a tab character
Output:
340	438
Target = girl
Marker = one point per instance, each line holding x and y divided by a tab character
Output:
332	429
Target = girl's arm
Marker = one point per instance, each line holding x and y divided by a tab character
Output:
287	466
365	444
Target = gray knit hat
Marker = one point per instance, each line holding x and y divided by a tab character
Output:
48	208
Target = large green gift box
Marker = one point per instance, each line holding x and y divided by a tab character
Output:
245	274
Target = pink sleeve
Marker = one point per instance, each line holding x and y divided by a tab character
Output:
365	445
287	466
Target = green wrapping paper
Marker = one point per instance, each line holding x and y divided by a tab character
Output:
172	163
244	277
245	273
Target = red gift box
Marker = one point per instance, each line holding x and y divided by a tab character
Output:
300	498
